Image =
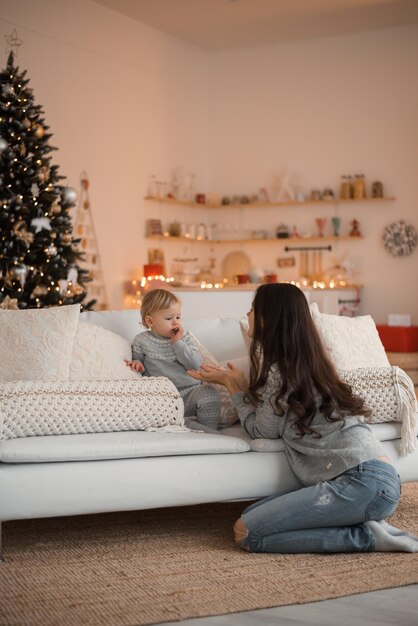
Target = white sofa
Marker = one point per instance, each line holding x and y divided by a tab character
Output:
50	476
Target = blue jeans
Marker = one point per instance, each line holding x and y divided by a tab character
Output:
326	517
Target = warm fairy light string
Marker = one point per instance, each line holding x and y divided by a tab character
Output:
141	285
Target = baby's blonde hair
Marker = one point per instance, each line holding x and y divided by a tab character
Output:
157	300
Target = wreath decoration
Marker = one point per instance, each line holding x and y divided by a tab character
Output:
400	238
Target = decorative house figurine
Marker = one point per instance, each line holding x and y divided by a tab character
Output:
355	229
282	231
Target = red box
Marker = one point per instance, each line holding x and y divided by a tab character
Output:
398	338
153	269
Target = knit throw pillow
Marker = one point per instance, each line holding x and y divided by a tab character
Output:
389	393
36	408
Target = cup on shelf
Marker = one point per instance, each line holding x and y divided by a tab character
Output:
270	278
241	279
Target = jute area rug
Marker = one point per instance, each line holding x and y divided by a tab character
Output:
163	565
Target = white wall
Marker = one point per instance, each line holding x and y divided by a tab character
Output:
123	101
324	108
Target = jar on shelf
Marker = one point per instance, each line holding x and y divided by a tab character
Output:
359	187
346	188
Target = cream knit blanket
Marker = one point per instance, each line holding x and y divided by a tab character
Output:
34	408
389	393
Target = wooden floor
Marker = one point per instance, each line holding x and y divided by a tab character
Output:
389	607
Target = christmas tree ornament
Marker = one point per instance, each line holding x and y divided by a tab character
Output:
18	272
21	233
7	89
66	239
26	123
9	303
62	284
74	288
3	144
69	195
55	209
38	131
40	290
72	275
34	189
41	223
43	174
51	250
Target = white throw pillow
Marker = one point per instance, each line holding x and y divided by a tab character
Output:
351	342
99	354
244	326
36	344
229	413
30	409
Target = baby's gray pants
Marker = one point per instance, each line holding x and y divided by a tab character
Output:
202	401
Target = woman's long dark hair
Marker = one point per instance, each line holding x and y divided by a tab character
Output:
285	335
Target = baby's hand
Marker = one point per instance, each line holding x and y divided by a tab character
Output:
136	366
176	334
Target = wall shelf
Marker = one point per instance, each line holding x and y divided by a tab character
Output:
257	205
280	240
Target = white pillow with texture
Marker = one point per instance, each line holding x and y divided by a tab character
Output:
229	413
99	354
244	326
351	342
36	344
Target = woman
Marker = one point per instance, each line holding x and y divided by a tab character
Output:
294	392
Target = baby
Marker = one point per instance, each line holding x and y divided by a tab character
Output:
167	350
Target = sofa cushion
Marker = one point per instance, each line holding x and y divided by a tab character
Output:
212	332
117	445
125	323
29	409
99	354
387	431
36	344
351	342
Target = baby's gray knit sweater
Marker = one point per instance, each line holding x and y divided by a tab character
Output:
342	445
161	357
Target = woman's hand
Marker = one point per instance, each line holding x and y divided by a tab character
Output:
217	375
239	376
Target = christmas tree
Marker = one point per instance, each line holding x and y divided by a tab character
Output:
38	254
